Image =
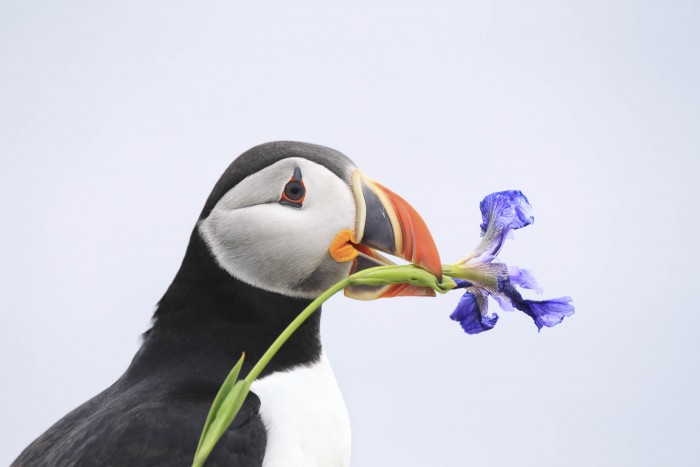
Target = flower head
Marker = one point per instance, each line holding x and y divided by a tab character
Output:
483	277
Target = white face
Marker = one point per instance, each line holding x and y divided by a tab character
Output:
278	247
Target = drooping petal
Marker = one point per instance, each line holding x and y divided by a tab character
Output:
523	278
501	212
549	312
543	312
472	313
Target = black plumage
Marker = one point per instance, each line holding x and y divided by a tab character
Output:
153	414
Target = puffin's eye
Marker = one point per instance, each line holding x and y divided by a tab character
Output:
294	191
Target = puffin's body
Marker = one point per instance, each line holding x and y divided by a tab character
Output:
258	255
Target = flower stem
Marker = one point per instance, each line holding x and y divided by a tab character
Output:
233	392
293	326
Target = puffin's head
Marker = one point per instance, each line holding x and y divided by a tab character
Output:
295	218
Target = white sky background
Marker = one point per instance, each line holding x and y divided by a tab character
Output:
116	119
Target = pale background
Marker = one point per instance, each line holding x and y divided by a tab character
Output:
116	119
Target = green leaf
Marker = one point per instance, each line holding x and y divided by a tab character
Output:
225	389
225	414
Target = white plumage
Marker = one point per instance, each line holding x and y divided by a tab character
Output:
305	416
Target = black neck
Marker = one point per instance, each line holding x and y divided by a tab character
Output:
207	318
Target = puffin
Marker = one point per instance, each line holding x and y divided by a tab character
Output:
285	221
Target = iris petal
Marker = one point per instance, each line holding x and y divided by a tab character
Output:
549	312
523	278
505	210
471	312
501	212
543	312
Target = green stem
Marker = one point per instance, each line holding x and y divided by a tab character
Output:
384	272
233	392
293	326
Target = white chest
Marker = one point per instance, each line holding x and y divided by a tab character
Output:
305	416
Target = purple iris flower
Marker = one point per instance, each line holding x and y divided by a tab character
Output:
482	277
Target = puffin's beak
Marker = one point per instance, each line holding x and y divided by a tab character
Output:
386	223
